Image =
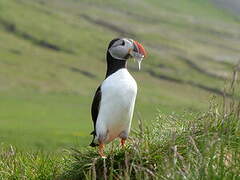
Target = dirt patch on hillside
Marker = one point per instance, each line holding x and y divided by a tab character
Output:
191	83
107	25
12	28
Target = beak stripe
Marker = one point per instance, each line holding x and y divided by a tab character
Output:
140	48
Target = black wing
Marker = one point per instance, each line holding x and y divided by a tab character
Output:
94	111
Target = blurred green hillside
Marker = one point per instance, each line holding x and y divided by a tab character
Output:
52	58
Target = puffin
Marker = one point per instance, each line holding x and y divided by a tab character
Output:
114	100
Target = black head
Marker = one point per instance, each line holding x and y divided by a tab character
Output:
120	48
112	42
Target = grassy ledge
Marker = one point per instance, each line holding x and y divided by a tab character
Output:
174	147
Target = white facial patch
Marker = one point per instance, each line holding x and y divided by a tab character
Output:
120	49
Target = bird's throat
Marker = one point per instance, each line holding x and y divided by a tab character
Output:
114	65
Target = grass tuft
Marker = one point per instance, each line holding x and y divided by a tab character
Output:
202	146
15	165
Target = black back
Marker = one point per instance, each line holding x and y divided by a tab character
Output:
94	111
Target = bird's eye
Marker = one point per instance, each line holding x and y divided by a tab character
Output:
123	43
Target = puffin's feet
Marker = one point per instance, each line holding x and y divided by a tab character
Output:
123	142
100	150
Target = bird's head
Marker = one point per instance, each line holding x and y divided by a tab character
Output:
124	49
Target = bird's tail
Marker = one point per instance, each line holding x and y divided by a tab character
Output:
93	144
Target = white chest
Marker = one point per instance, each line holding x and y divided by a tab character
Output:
119	92
119	86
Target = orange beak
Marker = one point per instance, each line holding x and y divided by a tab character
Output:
139	48
138	53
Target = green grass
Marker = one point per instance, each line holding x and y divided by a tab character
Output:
44	95
42	120
52	59
28	165
188	146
